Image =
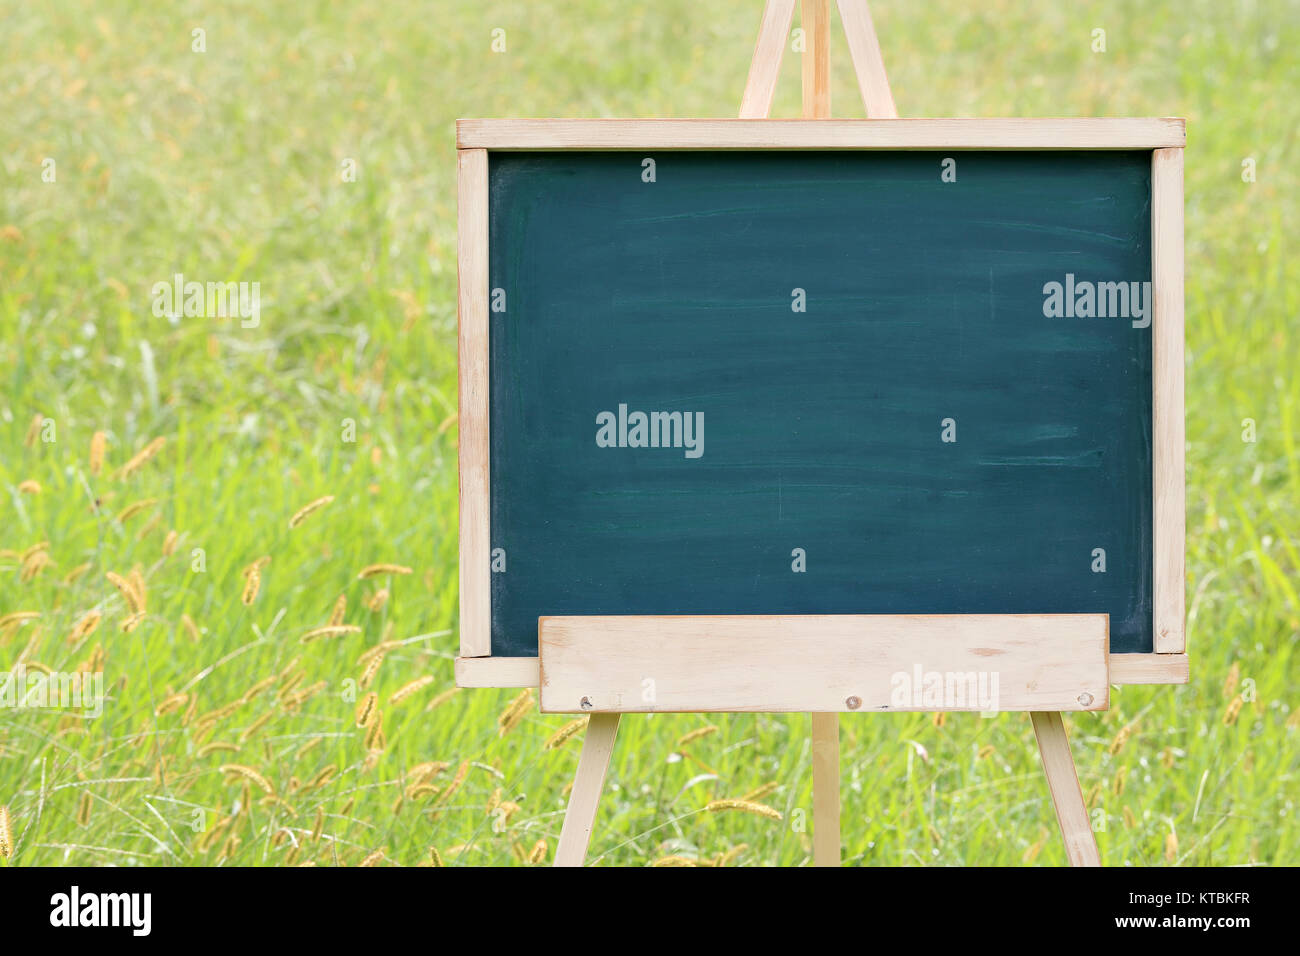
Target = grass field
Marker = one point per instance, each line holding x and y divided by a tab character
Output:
230	165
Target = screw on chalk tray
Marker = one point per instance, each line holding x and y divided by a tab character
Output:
1085	699
853	703
586	703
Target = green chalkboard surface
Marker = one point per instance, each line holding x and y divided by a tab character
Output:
814	382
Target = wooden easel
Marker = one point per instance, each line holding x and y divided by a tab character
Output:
1049	729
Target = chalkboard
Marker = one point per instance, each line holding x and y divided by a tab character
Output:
871	382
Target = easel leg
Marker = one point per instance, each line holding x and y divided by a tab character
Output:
825	727
816	19
1058	765
826	789
580	816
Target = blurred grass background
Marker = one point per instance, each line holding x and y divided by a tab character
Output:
226	165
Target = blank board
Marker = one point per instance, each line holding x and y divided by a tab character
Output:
899	414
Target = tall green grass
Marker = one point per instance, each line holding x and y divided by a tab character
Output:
226	166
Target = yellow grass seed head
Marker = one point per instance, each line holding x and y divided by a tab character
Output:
29	487
252	729
27	552
375	740
380	649
295	700
1234	677
251	585
374	570
209	839
1035	848
85	627
6	834
217	746
255	566
558	739
171	703
422	772
325	775
744	806
371	669
330	630
1234	710
461	773
127	590
308	509
98	442
1122	737
367	709
259	688
514	713
758	793
451	692
289	668
730	856
83	809
289	680
17	617
698	733
409	688
240	771
141	458
147	528
340	608
34	565
133	509
131	622
538	853
169	543
136	577
76	573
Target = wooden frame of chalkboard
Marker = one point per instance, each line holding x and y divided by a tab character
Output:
1163	137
